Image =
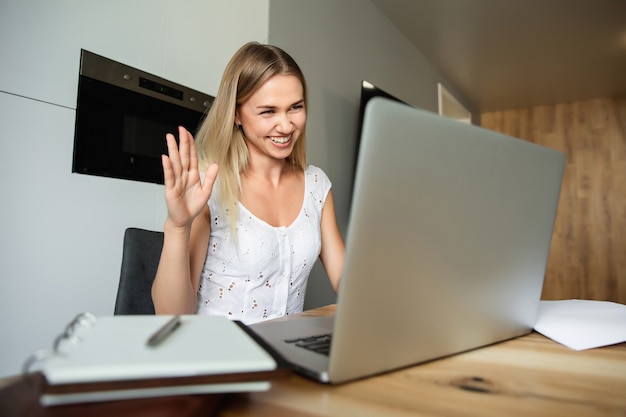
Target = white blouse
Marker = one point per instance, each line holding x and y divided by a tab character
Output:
264	275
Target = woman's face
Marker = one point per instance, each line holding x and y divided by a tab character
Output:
273	118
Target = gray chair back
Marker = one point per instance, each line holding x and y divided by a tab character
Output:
140	259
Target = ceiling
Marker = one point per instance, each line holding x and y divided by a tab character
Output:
506	54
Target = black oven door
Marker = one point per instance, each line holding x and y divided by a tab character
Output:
121	133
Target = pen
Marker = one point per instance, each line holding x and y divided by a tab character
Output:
161	334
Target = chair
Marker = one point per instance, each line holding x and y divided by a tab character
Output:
140	258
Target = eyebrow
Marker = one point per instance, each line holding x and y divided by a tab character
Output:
268	106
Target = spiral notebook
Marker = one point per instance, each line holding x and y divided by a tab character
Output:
109	358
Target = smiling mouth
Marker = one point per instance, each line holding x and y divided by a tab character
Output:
280	139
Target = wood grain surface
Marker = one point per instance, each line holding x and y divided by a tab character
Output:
527	376
588	253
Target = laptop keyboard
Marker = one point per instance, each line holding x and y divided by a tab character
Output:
319	344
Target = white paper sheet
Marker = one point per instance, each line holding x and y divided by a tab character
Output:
582	324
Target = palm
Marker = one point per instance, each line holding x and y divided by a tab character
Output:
185	194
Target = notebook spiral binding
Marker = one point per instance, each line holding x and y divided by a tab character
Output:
86	320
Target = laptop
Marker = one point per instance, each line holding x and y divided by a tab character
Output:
446	247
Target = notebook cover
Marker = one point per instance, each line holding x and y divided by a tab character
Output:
108	359
21	399
114	348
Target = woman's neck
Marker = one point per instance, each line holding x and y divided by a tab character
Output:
271	171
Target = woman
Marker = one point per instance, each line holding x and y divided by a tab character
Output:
242	243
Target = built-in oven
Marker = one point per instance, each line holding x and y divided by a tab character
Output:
122	116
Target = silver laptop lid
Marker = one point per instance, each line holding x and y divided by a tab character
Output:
448	240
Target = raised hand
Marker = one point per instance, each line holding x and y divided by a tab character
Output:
185	194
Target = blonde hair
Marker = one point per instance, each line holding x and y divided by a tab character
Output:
220	140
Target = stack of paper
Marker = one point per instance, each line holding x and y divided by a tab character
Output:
582	324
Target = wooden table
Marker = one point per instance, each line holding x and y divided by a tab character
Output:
528	376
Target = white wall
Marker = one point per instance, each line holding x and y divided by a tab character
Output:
61	233
338	44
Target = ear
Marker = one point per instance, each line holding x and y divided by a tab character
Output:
237	119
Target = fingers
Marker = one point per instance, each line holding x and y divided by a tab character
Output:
168	172
185	194
182	156
193	155
209	178
184	138
174	157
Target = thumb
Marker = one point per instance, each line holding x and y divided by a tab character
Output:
209	178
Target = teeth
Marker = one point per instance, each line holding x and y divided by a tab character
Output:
280	139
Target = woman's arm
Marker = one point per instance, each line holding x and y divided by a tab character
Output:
333	248
186	230
178	275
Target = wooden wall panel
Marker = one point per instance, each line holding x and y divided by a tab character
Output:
588	253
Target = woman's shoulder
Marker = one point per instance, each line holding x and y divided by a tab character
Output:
314	170
317	179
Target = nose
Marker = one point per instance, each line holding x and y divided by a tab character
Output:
284	124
